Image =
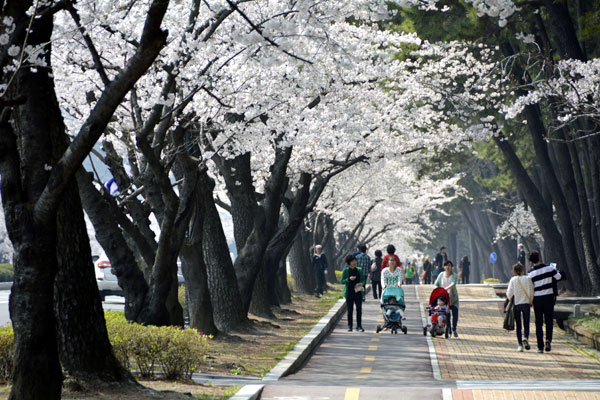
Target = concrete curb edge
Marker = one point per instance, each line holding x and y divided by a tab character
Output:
295	358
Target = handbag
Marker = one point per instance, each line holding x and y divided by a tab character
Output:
509	317
374	268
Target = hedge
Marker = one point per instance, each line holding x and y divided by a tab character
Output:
174	351
6	273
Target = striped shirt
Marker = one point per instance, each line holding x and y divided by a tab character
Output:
542	275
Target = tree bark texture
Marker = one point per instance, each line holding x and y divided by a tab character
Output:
110	237
300	265
84	348
228	311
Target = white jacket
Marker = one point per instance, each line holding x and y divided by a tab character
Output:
522	288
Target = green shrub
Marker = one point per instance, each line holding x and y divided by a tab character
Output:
177	352
6	352
6	272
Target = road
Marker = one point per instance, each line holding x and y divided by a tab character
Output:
111	303
349	365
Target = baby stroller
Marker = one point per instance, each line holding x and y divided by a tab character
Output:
392	307
439	318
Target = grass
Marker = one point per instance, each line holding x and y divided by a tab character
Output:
219	394
589	321
256	353
6	272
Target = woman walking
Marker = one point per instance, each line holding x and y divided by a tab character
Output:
354	282
465	265
521	287
392	275
447	280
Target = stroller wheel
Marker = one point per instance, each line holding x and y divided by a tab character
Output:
424	331
405	330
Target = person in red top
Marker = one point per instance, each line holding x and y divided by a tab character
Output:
390	253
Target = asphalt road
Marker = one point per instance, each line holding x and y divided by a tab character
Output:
111	303
353	365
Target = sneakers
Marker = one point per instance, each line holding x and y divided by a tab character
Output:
455	334
526	344
360	329
349	329
548	347
520	349
541	351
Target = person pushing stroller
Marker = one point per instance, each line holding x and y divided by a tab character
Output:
392	299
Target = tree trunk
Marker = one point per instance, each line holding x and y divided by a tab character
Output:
84	348
283	290
110	237
543	214
260	304
585	225
302	274
228	311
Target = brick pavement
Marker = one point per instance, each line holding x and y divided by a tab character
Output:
522	395
485	351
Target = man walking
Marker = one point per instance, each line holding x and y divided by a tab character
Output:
441	258
319	265
543	299
363	261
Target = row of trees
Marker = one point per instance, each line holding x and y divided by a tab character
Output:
307	121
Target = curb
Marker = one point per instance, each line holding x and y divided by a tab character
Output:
299	354
5	285
295	358
248	392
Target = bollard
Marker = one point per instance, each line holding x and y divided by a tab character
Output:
577	310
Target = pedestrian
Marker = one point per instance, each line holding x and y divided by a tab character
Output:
441	258
521	255
391	250
410	273
465	266
375	274
427	269
392	275
363	261
319	265
447	280
521	287
543	299
354	281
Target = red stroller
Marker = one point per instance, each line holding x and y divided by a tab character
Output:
439	317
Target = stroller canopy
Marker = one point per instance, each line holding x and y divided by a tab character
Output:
395	292
438	292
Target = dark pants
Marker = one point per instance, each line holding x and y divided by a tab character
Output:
454	310
522	309
375	285
354	299
409	281
543	307
320	278
465	277
428	279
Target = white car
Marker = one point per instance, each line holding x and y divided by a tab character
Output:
106	280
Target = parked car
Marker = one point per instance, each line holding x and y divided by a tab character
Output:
106	280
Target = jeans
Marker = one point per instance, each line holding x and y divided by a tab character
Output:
375	285
351	300
522	309
454	310
543	307
465	278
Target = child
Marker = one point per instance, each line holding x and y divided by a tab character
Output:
440	309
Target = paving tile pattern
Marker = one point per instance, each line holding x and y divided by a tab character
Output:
522	395
485	351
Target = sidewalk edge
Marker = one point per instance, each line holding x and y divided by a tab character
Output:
435	366
295	358
248	392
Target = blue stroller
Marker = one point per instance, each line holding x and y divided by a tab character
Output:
392	307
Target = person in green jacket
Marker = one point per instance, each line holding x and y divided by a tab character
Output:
447	280
409	274
354	282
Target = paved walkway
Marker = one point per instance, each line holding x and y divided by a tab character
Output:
481	364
